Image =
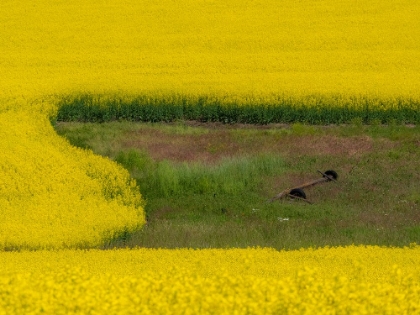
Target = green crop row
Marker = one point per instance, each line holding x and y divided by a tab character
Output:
311	109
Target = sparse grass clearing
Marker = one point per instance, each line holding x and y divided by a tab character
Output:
207	185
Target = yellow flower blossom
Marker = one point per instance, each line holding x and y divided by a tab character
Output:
204	47
54	195
350	280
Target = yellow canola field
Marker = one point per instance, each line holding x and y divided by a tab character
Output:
53	195
210	46
350	280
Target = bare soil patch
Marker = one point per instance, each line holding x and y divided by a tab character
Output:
223	141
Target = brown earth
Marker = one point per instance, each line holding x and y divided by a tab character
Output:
218	141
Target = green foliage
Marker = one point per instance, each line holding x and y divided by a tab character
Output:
133	160
311	109
231	176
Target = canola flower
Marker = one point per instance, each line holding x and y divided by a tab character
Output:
210	47
53	195
334	54
227	49
350	280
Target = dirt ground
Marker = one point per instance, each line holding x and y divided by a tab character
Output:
217	141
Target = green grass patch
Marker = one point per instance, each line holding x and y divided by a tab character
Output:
224	203
231	176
